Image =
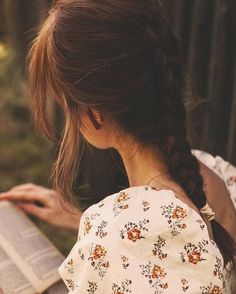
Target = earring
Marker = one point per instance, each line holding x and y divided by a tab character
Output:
93	120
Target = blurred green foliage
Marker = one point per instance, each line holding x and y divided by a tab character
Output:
25	156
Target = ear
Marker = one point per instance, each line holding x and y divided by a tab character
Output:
95	117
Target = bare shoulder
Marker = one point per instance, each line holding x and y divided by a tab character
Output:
219	198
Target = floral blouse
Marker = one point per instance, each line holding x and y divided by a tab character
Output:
144	240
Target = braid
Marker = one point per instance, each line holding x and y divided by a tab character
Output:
185	170
182	164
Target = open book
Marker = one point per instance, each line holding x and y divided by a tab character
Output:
28	260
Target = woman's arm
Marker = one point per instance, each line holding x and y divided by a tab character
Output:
219	189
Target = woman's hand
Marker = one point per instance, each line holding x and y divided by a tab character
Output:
43	203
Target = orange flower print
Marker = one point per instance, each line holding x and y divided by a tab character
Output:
120	203
134	231
87	222
122	197
216	290
134	234
174	215
97	257
194	257
211	289
99	251
87	225
155	276
106	264
178	212
164	286
193	253
157	272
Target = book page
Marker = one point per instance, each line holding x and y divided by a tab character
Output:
11	278
30	250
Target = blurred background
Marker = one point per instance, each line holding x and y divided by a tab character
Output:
207	32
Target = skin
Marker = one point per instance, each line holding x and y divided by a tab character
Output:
51	210
219	199
144	165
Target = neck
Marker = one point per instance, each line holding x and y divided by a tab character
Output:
144	165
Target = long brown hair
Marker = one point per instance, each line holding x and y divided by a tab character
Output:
122	58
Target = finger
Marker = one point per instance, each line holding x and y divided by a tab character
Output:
32	209
23	195
25	187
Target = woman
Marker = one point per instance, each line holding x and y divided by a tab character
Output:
114	69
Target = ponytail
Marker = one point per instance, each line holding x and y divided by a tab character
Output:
182	164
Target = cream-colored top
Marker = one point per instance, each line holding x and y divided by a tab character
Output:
143	240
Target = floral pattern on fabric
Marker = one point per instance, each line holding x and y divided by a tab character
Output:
211	289
120	203
185	285
123	288
145	240
87	226
92	287
81	254
70	284
157	250
201	223
70	266
146	205
125	261
218	266
97	258
155	276
174	215
88	222
134	231
100	230
194	253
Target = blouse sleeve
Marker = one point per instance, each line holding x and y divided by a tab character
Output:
224	169
149	242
